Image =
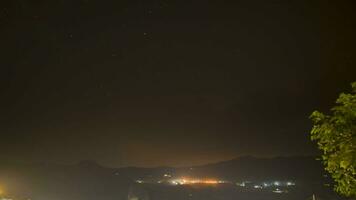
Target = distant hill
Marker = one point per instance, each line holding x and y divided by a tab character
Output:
303	168
296	168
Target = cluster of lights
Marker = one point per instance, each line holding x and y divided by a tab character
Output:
275	186
276	183
188	181
184	181
208	181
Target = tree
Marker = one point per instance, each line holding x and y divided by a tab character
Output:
335	135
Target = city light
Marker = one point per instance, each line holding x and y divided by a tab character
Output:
257	187
167	175
277	191
243	184
290	183
139	181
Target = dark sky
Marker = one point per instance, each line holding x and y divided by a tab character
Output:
149	83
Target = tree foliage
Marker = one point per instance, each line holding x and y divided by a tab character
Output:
335	135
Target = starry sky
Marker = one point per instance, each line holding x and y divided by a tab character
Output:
159	82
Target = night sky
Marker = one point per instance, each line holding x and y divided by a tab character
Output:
148	83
